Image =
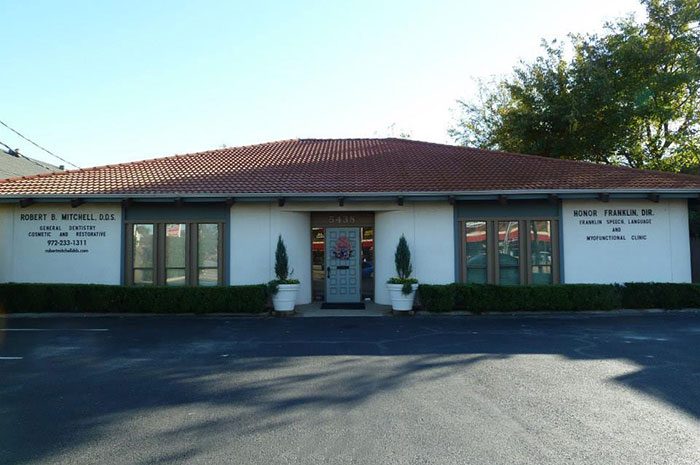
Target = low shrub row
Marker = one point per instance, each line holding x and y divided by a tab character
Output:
479	298
660	295
90	298
475	298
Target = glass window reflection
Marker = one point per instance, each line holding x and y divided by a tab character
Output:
541	251
476	251
508	252
175	254
143	253
208	254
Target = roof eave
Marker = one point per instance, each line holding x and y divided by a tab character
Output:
359	196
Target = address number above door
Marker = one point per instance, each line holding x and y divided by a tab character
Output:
341	219
336	219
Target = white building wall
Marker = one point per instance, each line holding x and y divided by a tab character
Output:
617	250
295	229
77	256
255	228
7	245
429	231
428	226
250	243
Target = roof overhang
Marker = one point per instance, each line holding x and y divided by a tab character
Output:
361	196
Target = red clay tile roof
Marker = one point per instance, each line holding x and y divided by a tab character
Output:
344	166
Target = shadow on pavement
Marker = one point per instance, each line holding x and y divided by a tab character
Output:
72	388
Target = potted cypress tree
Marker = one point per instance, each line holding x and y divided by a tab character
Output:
402	289
283	289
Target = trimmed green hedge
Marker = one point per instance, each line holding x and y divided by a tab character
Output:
91	298
478	298
661	295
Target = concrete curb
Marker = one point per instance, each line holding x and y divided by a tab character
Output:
138	315
420	313
620	312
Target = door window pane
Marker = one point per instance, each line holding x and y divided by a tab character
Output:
367	238
476	242
175	253
143	245
143	276
476	275
208	245
175	277
143	253
508	252
541	251
318	263
208	277
175	245
208	254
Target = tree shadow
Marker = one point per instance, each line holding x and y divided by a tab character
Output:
200	376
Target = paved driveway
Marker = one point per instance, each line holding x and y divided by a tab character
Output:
397	390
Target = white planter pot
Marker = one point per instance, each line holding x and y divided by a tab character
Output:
401	302
285	298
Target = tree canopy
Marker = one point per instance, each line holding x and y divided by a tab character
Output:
629	96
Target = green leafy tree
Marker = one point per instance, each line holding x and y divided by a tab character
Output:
630	96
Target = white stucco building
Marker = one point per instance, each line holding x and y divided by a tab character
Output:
213	218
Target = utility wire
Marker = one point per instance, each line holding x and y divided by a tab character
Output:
11	151
37	145
18	154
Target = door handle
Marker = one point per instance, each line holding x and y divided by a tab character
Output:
328	269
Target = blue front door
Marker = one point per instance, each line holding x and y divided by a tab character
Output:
343	265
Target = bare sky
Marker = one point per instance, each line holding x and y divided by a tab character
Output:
107	82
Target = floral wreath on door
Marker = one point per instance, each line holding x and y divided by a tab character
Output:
343	248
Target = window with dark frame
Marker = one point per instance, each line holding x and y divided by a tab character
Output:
174	254
208	258
143	255
509	251
476	251
541	253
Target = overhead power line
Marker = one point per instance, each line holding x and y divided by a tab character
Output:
17	153
39	146
10	150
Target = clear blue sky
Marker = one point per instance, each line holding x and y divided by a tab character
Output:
103	82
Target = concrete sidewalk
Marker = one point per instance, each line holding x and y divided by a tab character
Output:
371	310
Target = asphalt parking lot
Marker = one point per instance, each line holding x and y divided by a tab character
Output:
395	390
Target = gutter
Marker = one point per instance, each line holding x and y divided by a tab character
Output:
363	196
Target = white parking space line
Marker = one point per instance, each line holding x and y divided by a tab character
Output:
11	358
54	329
